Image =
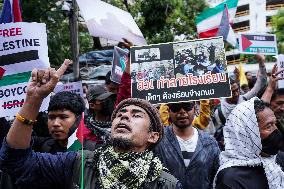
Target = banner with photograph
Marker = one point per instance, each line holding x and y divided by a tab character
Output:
180	71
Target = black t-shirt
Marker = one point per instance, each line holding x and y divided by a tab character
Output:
242	178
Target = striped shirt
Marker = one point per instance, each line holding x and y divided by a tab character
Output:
188	146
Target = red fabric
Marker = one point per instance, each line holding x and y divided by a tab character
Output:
124	90
80	132
84	133
88	135
216	102
17	11
208	33
2	71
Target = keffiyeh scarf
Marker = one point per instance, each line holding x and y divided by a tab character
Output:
127	170
99	128
243	145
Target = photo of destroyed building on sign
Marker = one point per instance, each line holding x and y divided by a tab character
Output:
152	70
199	57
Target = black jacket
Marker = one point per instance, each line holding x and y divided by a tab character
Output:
203	164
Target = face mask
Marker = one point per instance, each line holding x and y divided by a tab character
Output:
74	126
272	143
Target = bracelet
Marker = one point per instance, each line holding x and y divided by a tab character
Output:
25	120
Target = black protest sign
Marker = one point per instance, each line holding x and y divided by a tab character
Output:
181	71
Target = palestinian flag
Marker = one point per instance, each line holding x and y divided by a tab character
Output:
225	29
16	67
253	44
75	140
209	21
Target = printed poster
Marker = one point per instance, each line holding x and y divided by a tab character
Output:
253	44
180	71
280	64
73	87
23	47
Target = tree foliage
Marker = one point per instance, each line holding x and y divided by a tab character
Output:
169	20
278	27
164	20
159	20
59	41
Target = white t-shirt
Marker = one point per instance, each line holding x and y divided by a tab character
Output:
188	146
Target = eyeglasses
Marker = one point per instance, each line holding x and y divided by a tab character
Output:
176	107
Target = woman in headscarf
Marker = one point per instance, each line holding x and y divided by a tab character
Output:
251	142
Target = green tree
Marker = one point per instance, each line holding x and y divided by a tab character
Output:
59	45
161	20
278	27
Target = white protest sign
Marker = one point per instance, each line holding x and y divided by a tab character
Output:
280	64
23	47
12	98
74	87
107	21
257	43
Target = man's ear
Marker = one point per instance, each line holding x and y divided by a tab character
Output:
153	137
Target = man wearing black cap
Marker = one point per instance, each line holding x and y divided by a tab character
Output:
128	163
191	155
98	123
110	85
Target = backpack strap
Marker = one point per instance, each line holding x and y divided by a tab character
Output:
90	179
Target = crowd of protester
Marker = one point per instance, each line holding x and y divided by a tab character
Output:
228	143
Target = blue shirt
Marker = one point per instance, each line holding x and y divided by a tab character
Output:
40	170
35	170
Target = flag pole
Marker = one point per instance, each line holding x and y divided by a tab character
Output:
82	154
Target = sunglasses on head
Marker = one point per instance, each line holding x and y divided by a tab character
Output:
176	107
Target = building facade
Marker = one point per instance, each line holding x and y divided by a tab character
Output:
252	16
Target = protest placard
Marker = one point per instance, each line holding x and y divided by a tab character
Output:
74	87
23	47
255	43
12	98
280	64
120	59
181	71
110	22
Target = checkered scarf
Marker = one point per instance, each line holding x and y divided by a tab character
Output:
243	145
127	170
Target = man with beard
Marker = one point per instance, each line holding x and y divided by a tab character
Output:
128	163
191	155
251	142
275	97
